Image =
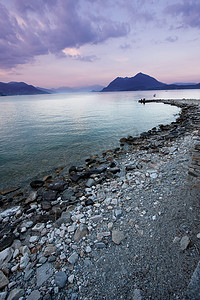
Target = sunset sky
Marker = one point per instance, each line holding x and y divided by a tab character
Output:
53	43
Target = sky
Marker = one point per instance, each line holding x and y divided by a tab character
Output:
55	43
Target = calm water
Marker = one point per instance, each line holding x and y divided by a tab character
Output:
40	133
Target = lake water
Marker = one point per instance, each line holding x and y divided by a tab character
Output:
42	132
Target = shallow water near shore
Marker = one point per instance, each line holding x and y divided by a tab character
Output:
39	133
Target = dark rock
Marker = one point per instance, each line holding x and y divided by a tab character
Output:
72	169
46	205
75	177
50	195
57	186
90	182
60	279
114	170
89	202
37	184
67	195
7	241
112	164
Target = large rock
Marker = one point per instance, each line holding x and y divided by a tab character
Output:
81	231
3	280
9	212
36	184
60	279
5	256
65	218
31	198
50	195
7	241
193	290
15	294
117	236
57	186
67	195
35	295
44	273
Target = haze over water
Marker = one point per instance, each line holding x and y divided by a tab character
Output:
39	133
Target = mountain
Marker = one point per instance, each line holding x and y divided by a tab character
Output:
142	82
66	89
18	88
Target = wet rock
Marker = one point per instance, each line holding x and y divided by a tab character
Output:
117	236
3	280
15	294
10	190
36	184
72	169
57	186
60	279
31	198
44	273
81	231
50	195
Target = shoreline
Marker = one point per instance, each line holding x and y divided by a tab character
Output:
67	222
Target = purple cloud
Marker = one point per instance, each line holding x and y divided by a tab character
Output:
31	28
187	12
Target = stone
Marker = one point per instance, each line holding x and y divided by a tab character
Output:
60	279
100	245
117	236
71	278
73	258
38	227
90	182
15	294
65	218
31	198
24	261
96	218
10	190
57	186
50	195
89	202
36	184
81	231
3	280
44	273
33	239
9	212
46	205
88	249
193	289
137	295
49	250
35	295
67	194
6	255
7	241
184	243
3	295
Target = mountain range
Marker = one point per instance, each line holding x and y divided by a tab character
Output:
18	88
143	82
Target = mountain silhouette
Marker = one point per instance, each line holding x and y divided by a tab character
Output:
142	82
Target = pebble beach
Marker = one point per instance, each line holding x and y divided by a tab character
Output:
123	226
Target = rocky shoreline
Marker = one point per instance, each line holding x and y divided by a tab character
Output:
124	226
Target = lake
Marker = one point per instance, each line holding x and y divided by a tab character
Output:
41	132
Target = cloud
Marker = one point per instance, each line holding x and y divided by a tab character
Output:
172	39
186	12
31	28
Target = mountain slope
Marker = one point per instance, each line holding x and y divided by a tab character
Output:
143	82
18	88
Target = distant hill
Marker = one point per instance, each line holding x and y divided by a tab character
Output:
18	88
142	82
66	89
